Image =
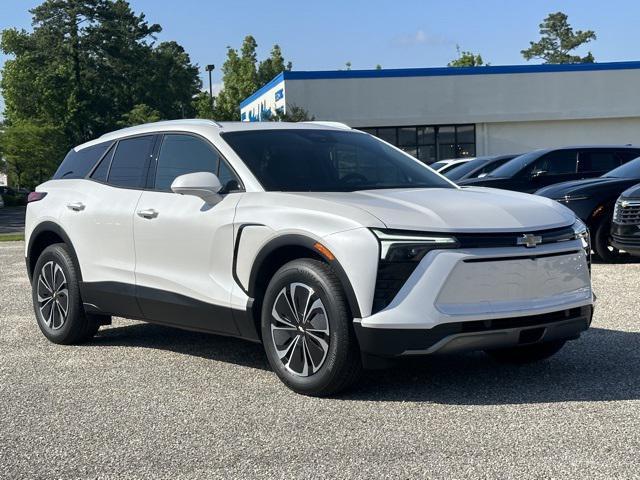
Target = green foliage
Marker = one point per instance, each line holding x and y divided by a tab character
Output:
243	75
293	113
466	59
138	115
32	152
85	67
203	106
558	40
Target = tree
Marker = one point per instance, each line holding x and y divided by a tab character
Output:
271	67
32	152
242	75
88	63
203	106
138	115
558	40
292	113
466	59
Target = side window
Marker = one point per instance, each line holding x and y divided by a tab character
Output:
556	163
182	154
77	164
628	155
100	173
130	162
597	161
227	178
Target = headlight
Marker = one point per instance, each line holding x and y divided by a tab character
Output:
398	246
571	198
580	230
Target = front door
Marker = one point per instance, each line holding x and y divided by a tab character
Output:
184	246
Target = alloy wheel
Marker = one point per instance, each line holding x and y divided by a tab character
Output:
300	329
53	295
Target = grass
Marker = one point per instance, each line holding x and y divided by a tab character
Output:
11	237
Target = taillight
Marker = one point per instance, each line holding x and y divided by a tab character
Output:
36	196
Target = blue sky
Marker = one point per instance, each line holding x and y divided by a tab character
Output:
324	35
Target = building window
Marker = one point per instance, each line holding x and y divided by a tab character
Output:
430	143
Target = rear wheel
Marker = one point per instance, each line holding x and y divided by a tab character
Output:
526	353
56	298
307	331
601	245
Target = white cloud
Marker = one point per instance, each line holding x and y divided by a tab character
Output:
420	37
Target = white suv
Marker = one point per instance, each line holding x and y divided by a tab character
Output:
329	246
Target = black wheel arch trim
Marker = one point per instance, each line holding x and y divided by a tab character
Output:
294	240
44	227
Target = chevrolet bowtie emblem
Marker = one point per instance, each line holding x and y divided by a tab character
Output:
529	240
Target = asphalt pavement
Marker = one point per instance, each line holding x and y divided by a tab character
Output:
143	401
12	219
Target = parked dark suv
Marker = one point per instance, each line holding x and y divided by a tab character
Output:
625	229
593	199
534	170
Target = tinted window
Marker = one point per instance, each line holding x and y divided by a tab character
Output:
130	162
628	155
597	161
327	160
101	172
628	170
182	154
465	168
556	163
77	164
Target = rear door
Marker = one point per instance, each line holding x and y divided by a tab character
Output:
184	247
99	219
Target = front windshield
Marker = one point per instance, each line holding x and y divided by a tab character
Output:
628	170
464	168
310	160
513	166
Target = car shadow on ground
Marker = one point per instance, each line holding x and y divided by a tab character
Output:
603	365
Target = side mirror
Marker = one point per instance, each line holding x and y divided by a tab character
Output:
204	185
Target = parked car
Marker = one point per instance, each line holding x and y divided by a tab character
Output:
478	167
593	202
534	170
444	166
625	229
12	197
332	248
1	202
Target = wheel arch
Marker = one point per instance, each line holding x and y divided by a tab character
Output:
281	250
45	234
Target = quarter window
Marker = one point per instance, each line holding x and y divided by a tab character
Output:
130	162
77	164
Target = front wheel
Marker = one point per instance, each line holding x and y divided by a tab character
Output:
307	331
526	353
601	244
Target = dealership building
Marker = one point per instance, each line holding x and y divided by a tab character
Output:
439	113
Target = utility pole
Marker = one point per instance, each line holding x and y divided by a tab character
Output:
209	68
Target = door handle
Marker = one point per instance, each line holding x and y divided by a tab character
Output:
148	213
75	206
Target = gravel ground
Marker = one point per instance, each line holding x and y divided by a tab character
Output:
143	401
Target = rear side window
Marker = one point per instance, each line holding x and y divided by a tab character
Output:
130	162
597	161
628	155
77	164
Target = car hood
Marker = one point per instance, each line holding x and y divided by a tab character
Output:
455	209
633	192
582	187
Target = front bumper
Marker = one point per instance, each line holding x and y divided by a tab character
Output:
478	335
626	237
484	298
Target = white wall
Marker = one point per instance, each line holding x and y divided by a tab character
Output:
3	180
515	137
271	100
396	101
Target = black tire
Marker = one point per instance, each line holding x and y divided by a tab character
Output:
75	326
601	245
526	353
341	364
